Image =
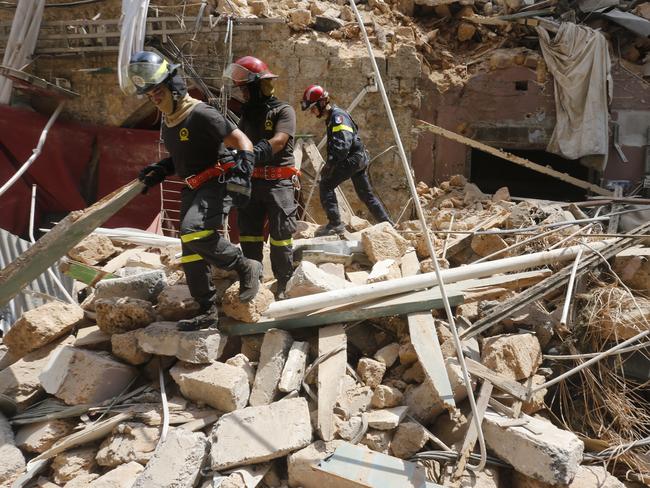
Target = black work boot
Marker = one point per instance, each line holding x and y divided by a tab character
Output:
330	230
207	319
281	289
250	275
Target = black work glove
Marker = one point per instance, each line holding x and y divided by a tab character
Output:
152	175
238	179
263	152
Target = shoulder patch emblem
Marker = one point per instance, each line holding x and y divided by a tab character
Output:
268	125
184	134
338	119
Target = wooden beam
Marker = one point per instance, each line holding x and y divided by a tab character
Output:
63	237
402	304
512	158
330	373
504	384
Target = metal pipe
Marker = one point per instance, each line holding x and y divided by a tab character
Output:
35	152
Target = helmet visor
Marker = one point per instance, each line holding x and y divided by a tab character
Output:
146	76
238	75
306	104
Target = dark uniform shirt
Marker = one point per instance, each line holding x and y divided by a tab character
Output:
197	142
343	141
265	121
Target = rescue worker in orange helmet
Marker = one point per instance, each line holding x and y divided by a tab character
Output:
271	125
195	135
347	158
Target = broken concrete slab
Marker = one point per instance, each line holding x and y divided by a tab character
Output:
273	356
301	466
40	326
387	269
294	368
93	250
353	399
119	315
197	347
120	477
349	429
376	470
130	441
74	463
143	286
378	440
13	461
219	385
382	241
308	279
388	354
80	377
241	361
486	244
176	303
586	477
177	462
409	439
385	419
125	347
248	312
488	478
257	434
386	396
633	267
537	449
38	437
330	374
336	269
371	371
93	338
514	356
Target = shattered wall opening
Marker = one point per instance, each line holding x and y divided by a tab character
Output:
491	173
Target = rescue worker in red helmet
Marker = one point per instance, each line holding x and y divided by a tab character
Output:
195	135
271	126
347	158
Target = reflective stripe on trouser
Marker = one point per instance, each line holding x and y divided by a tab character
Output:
203	213
337	174
271	201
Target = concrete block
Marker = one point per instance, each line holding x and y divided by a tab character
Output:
336	269
177	463
93	338
386	419
13	461
120	477
385	270
93	250
353	399
119	315
382	241
409	438
125	347
273	356
586	477
257	434
538	449
300	17
130	441
176	303
79	377
308	279
40	326
20	381
486	244
378	440
348	429
196	347
246	312
39	436
515	356
219	385
144	286
241	361
371	371
82	481
301	463
73	463
488	478
294	368
386	396
388	354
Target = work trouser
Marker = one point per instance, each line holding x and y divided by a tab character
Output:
203	214
273	199
356	169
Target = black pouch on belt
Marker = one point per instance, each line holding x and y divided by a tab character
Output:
238	179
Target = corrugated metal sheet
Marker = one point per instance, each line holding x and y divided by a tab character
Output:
10	248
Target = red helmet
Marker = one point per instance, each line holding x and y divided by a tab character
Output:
313	94
248	70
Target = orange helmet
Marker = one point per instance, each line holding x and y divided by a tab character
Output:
313	94
248	70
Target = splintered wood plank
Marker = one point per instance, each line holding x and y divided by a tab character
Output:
504	384
424	338
512	158
63	237
330	373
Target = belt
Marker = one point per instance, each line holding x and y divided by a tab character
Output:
275	172
194	181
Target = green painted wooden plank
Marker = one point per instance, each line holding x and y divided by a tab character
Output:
63	237
403	304
85	273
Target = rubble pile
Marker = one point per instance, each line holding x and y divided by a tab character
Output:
112	394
